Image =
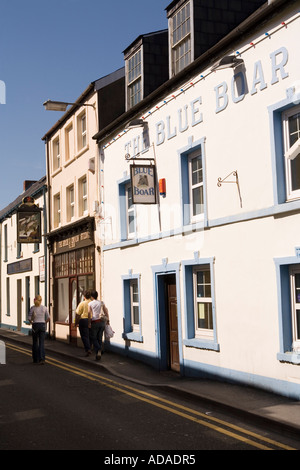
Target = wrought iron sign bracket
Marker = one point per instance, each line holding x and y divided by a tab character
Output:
129	158
236	181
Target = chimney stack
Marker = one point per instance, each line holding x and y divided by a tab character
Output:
27	184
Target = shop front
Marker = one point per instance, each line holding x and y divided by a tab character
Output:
73	272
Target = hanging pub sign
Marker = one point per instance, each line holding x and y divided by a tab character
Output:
29	229
143	184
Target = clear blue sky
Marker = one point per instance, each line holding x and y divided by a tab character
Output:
53	49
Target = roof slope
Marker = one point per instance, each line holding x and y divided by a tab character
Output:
34	189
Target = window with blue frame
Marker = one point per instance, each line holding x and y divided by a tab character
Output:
192	174
295	302
196	185
127	211
291	128
285	147
200	312
288	281
203	301
132	308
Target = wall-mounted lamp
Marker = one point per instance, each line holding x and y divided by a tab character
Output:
136	123
61	105
229	61
146	140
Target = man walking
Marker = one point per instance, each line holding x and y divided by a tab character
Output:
81	320
98	316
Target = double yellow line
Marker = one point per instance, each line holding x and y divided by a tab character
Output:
230	430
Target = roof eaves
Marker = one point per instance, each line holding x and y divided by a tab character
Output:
206	59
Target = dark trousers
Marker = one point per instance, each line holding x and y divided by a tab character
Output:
97	329
38	341
85	333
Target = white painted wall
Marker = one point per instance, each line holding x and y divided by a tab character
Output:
243	240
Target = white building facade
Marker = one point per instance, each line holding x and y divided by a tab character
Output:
23	265
206	282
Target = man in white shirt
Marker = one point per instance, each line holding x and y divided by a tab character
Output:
98	316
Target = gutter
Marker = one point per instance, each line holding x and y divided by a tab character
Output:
263	13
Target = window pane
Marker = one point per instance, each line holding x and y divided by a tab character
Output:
197	200
63	300
85	205
84	187
61	265
134	66
71	195
85	260
294	128
297	287
129	195
204	316
135	292
131	223
298	325
72	263
181	23
83	124
135	92
203	284
197	170
136	318
295	173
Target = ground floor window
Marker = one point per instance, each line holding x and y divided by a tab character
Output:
199	304
132	308
295	304
203	301
74	274
134	304
288	285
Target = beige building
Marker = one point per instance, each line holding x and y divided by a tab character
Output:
74	200
72	180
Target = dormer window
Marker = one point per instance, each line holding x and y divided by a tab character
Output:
134	79
180	31
146	66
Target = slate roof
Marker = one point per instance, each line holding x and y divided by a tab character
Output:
34	189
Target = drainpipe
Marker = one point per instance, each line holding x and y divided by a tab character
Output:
47	202
45	244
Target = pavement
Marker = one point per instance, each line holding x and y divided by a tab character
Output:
278	412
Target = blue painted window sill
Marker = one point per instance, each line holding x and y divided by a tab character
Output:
201	344
291	357
132	336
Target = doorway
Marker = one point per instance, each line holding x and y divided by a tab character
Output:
168	322
72	309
